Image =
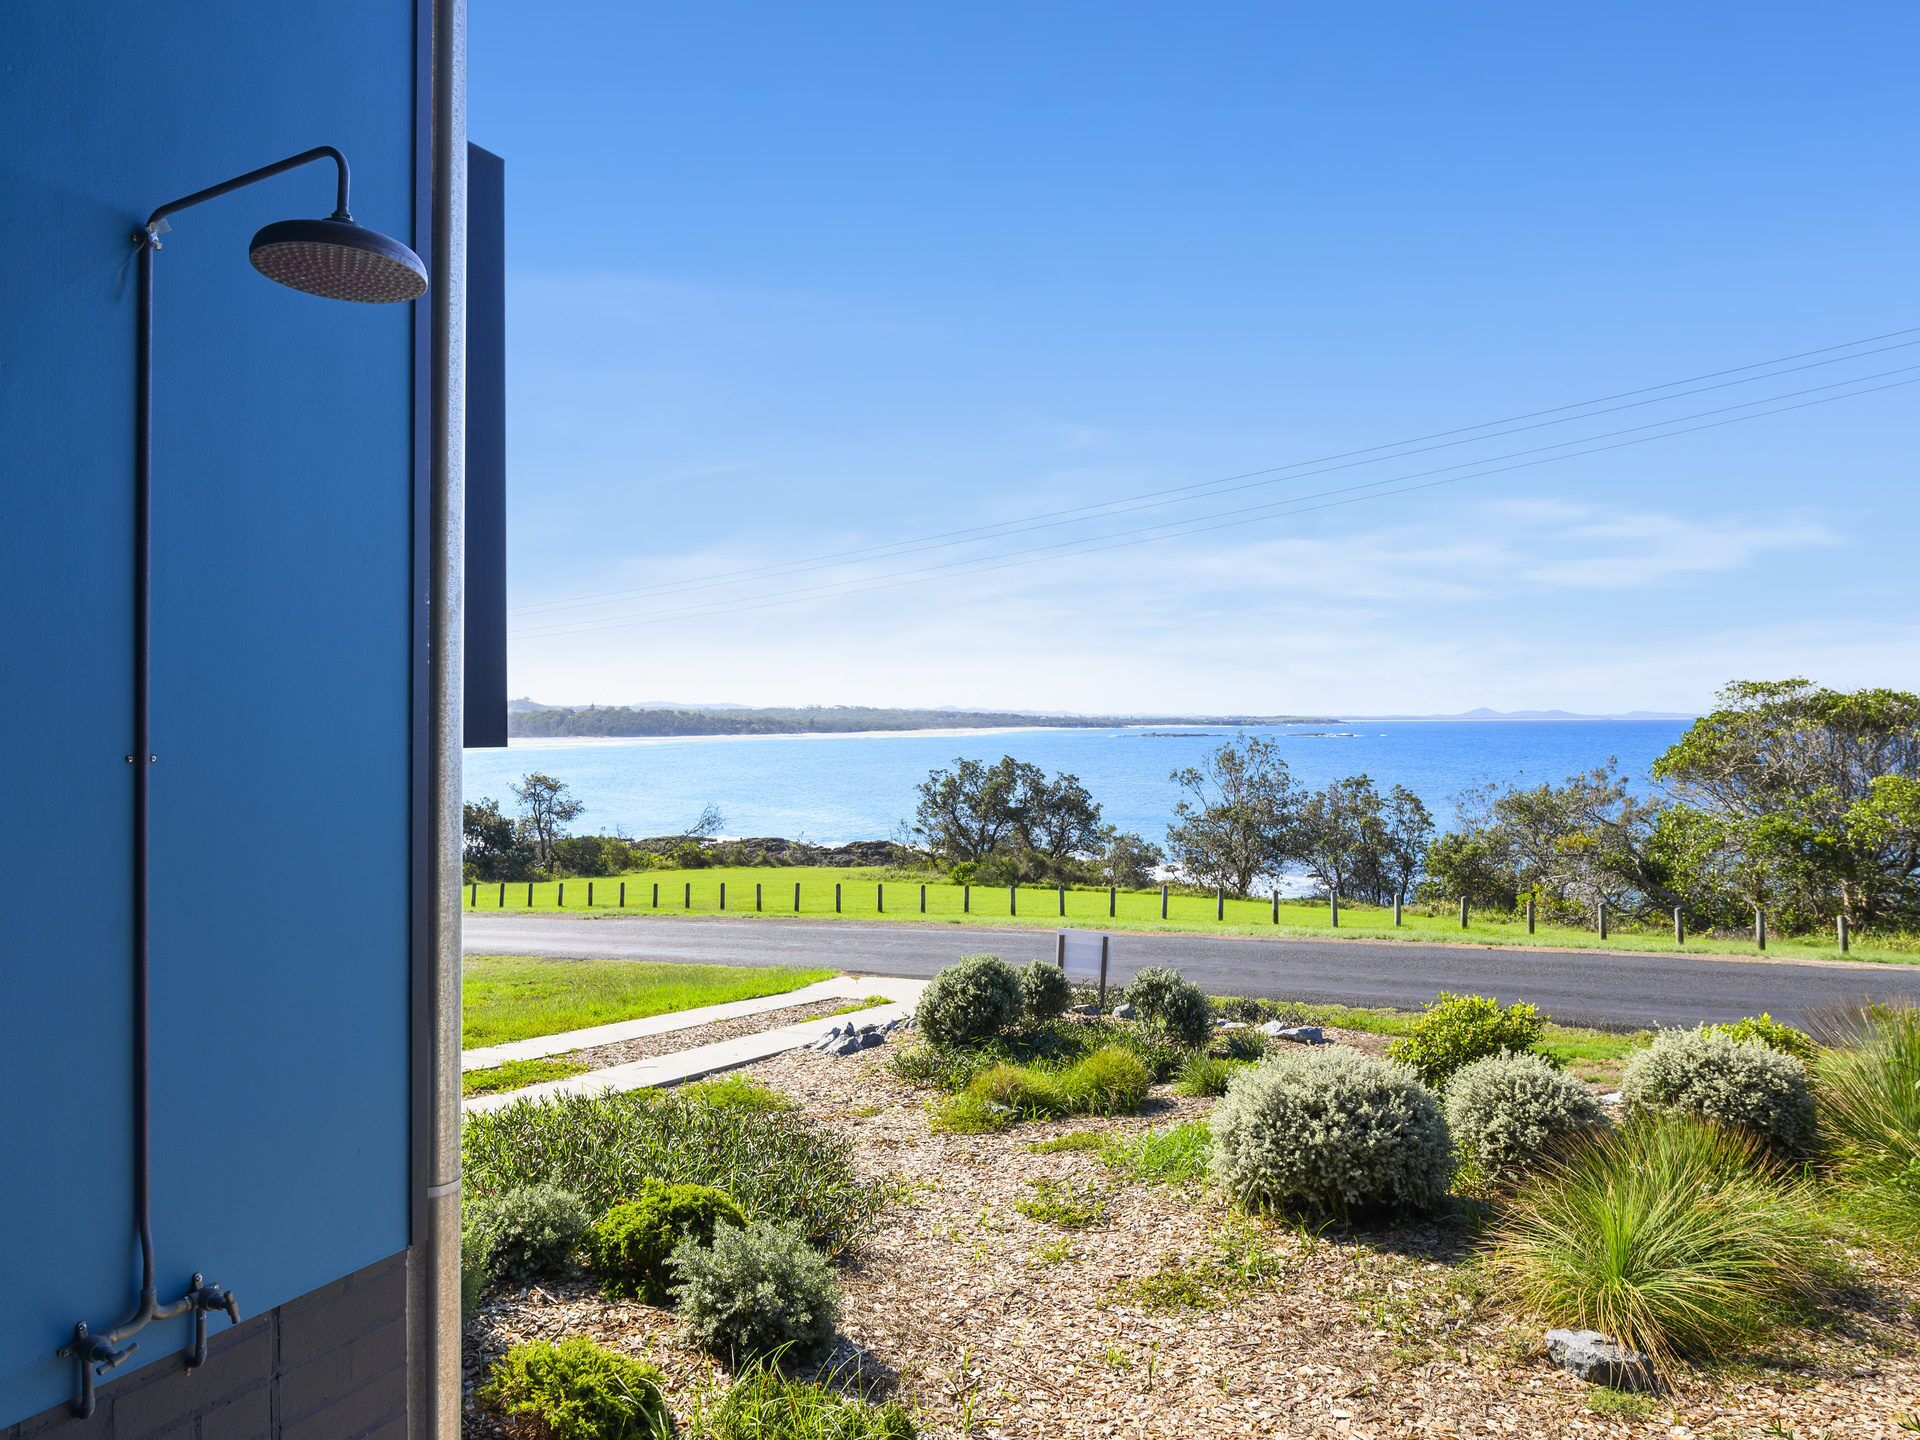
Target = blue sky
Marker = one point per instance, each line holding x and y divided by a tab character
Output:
790	281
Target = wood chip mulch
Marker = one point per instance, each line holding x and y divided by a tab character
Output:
646	1047
989	1323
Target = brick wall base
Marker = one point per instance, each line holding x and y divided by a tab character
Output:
331	1365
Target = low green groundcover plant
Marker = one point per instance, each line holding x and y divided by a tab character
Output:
604	1148
632	1243
525	1232
972	1000
735	1092
1173	1155
1053	1046
1331	1132
756	1291
1672	1235
1456	1030
762	1404
1709	1074
1870	1107
576	1390
1110	1081
1509	1112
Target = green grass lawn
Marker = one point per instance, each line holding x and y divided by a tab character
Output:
516	997
867	894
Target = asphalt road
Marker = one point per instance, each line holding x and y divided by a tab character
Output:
1575	987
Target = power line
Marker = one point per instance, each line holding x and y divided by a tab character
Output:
1226	484
1223	519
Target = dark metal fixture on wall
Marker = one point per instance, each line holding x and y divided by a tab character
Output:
339	260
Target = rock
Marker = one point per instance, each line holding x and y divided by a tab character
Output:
872	1027
1592	1357
871	1037
1123	1011
850	1045
1085	1010
1229	1024
1271	1028
1303	1035
1612	1097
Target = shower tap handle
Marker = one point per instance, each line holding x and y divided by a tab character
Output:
105	1357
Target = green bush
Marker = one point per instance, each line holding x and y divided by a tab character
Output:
1170	1005
1110	1081
1763	1029
762	1404
1704	1073
1870	1094
473	1277
1456	1030
1508	1112
1329	1131
1045	991
756	1291
1673	1236
605	1148
1241	1044
632	1242
527	1232
970	1001
576	1390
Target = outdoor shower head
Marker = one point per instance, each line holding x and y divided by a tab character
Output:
339	260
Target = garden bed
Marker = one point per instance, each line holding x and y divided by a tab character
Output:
1171	1314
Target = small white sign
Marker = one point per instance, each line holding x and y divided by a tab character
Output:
1083	955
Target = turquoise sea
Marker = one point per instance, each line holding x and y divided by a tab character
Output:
833	788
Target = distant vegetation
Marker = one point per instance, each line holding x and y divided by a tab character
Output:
618	720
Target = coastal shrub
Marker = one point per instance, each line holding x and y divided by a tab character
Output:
972	1000
1507	1112
756	1290
1672	1235
1045	991
762	1404
1870	1107
1704	1073
1205	1075
1171	1005
526	1232
1240	1044
1763	1029
633	1241
576	1390
1329	1131
1456	1030
777	1165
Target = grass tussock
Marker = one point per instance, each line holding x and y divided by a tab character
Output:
517	1075
1112	1080
763	1404
1206	1075
604	1148
1672	1235
1870	1114
1173	1155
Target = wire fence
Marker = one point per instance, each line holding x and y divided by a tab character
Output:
1174	906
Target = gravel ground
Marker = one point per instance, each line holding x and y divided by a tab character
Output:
994	1324
599	1057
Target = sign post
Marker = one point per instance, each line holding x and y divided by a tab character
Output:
1084	955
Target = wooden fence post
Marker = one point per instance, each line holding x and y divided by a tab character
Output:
623	894
1759	927
1603	919
1013	899
1396	911
1163	899
501	903
473	894
923	899
756	895
656	894
1840	930
1113	903
1679	926
1463	912
836	897
966	899
589	894
560	896
1276	904
686	897
1063	898
796	897
880	897
1333	902
1220	902
1529	914
723	895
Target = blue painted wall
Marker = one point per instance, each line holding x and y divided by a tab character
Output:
282	474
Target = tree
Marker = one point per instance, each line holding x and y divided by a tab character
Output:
547	807
1237	821
709	824
1125	859
1008	817
492	847
1406	827
1338	834
1815	792
1057	819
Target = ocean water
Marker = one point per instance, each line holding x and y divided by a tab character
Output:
830	789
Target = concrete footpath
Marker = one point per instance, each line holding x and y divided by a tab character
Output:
701	1060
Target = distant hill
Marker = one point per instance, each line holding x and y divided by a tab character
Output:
1483	713
529	719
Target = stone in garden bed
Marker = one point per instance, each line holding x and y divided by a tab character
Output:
1594	1358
